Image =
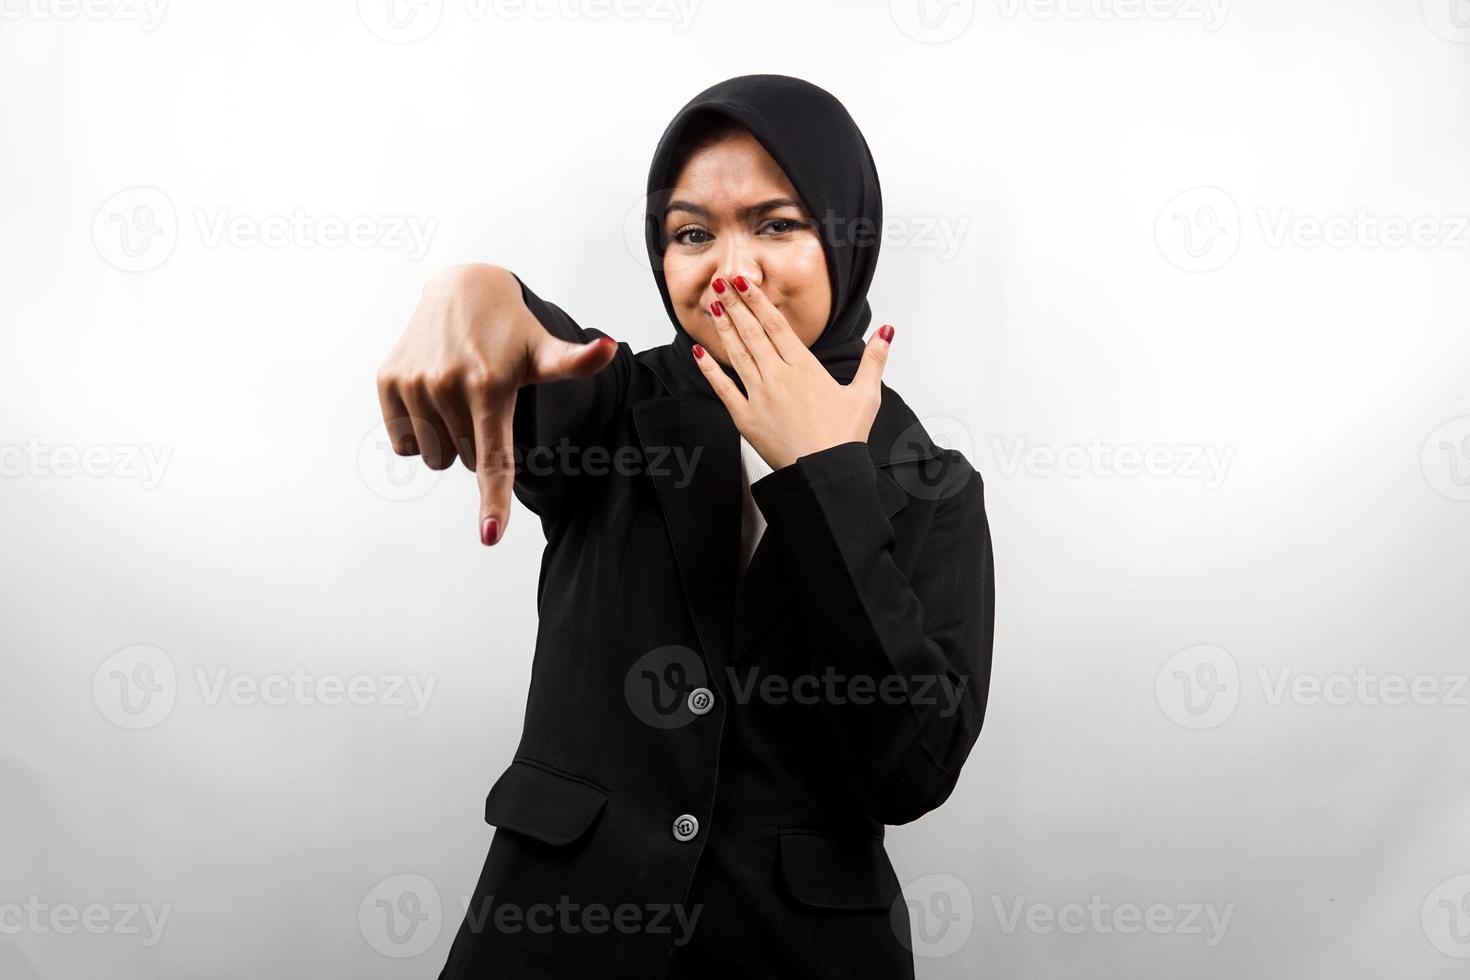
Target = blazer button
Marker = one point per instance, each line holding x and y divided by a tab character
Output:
701	699
686	825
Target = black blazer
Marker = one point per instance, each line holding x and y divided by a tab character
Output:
705	772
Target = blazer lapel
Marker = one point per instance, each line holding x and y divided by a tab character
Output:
770	583
764	590
692	450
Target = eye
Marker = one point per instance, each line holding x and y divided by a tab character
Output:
776	226
791	225
678	236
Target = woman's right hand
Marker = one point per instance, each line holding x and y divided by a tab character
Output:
448	387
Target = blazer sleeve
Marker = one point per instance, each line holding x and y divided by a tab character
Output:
927	635
556	421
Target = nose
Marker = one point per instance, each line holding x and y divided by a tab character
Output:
737	258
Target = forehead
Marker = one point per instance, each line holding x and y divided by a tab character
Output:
735	169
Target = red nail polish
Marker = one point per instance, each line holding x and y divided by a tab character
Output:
698	351
741	284
717	308
886	332
719	285
490	531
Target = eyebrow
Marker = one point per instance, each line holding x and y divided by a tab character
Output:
762	208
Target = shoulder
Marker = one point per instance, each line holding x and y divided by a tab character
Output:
922	465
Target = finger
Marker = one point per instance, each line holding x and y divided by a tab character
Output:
428	429
453	409
735	350
395	417
554	358
749	326
875	357
777	330
495	471
719	380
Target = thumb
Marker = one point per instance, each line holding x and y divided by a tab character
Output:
875	357
553	358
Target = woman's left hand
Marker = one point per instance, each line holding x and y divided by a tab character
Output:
792	406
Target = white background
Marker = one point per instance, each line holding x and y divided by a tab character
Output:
1101	240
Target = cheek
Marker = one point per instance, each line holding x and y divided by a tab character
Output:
683	287
807	272
809	294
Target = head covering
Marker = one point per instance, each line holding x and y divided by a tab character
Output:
823	153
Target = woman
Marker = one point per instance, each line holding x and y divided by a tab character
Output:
714	740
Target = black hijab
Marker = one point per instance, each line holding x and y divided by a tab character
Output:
823	153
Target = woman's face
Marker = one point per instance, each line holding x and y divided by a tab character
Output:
733	213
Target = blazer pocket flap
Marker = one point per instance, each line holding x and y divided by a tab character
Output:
546	805
829	872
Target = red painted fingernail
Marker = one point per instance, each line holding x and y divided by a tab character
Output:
698	351
489	531
717	308
886	332
719	285
741	284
